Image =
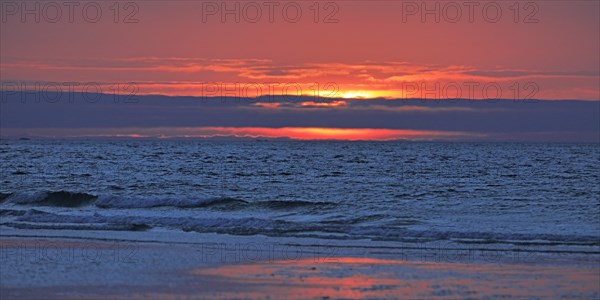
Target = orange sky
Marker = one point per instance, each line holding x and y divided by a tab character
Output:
350	49
375	49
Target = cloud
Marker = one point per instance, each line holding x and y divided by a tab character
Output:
181	76
99	114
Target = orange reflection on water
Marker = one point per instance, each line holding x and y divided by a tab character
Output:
317	133
351	277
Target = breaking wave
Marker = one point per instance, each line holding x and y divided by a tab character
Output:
76	199
58	199
37	219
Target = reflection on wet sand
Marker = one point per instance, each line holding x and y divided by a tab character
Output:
351	277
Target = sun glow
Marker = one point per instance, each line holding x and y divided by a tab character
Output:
320	133
370	94
357	94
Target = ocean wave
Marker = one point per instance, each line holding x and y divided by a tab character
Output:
270	227
240	226
11	212
287	204
149	202
58	199
4	196
77	199
340	219
476	237
88	226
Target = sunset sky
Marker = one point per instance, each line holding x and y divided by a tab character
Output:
349	51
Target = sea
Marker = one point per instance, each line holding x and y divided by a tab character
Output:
407	192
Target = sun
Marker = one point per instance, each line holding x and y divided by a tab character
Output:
356	94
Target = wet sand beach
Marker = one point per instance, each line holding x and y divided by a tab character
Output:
84	268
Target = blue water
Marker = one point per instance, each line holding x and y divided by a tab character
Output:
385	191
